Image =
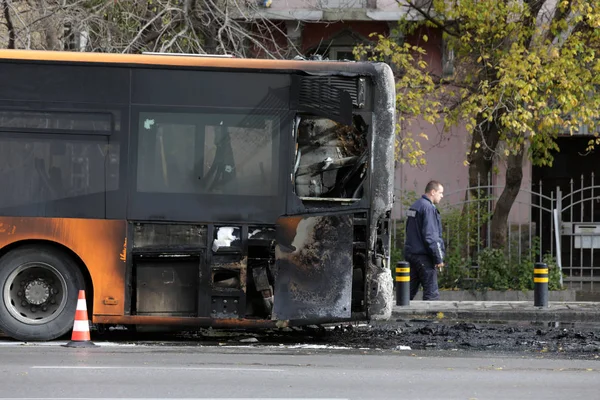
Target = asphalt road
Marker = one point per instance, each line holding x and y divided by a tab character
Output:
173	372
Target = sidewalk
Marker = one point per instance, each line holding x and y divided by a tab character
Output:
588	312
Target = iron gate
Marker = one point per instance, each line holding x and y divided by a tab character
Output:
578	217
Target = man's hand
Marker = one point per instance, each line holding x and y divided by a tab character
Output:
440	266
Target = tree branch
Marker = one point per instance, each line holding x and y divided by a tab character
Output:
427	15
9	25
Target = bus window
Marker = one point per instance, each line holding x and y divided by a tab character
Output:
331	159
238	159
226	154
39	169
166	158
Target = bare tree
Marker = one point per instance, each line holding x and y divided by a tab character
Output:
174	26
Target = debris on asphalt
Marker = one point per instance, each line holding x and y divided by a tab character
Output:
561	340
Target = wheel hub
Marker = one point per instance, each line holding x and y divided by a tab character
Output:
37	292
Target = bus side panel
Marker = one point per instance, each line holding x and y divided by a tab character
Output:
99	243
313	267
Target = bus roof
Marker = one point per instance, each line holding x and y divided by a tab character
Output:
185	61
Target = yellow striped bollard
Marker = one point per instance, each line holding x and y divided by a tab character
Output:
402	283
540	285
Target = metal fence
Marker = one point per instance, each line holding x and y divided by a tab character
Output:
556	218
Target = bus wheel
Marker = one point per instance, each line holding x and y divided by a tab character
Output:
39	287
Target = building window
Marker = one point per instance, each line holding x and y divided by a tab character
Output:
341	53
447	60
340	47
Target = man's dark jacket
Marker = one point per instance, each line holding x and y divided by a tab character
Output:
424	231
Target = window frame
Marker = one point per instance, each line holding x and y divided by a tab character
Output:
58	131
115	199
78	206
214	207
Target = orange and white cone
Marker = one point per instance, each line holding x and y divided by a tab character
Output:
81	327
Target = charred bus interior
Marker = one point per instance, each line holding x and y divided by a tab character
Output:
230	271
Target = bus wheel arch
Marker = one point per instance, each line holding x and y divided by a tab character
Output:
39	285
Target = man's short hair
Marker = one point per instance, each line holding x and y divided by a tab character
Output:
432	185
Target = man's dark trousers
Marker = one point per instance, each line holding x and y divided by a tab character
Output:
423	272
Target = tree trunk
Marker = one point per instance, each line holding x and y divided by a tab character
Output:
9	25
481	160
514	177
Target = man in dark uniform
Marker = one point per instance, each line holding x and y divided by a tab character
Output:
424	248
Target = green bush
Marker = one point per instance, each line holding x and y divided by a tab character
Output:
497	271
456	276
494	270
395	256
554	274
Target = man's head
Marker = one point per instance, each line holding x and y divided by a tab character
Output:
434	191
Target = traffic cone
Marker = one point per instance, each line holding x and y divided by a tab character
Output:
81	327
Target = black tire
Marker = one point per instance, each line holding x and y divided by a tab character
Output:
39	287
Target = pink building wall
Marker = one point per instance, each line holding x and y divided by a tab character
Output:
445	153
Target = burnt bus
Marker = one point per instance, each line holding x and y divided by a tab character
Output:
187	191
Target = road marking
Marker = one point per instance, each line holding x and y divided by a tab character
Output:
62	343
316	347
235	369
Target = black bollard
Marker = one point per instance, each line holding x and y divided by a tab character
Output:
540	285
402	283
